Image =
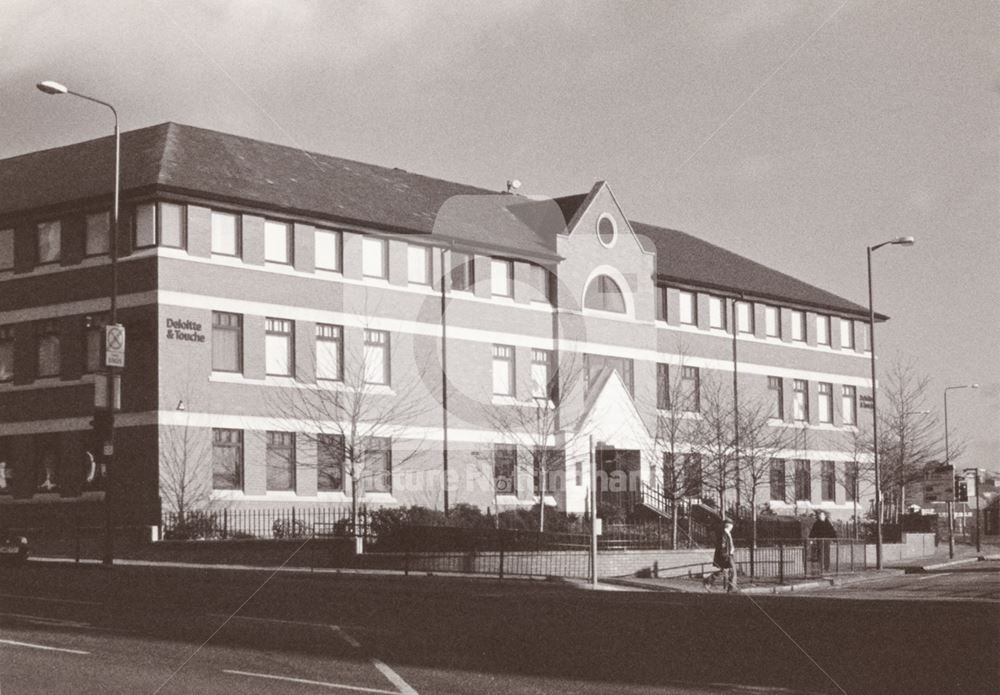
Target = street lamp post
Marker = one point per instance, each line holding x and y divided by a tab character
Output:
947	463
900	241
56	88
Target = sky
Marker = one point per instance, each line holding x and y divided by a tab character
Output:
794	133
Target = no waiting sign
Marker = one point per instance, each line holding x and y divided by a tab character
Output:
114	345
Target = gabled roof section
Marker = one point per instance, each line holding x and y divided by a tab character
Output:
221	166
684	259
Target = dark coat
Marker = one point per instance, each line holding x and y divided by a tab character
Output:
723	558
822	529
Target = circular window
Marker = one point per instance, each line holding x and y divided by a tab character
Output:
606	230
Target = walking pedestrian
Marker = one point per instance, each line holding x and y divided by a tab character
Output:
723	559
822	534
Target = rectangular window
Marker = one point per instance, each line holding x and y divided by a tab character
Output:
173	226
280	461
503	370
800	402
803	480
418	265
328	250
501	277
772	322
863	330
776	386
94	343
663	386
777	482
688	308
227	342
828	481
226	236
279	347
798	319
6	249
716	312
49	356
144	226
329	352
691	389
548	464
544	281
849	405
376	356
330	463
377	457
693	475
744	317
822	329
227	459
541	374
6	353
661	303
852	481
463	275
277	242
97	234
505	469
825	402
593	365
846	334
49	241
374	258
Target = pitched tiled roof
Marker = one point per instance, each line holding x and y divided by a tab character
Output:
221	166
687	260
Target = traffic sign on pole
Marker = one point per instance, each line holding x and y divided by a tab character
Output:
114	345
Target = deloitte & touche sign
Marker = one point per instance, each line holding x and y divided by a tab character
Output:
184	330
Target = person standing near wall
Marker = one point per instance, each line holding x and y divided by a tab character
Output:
723	559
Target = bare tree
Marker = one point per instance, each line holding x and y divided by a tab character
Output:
351	414
713	438
910	436
673	472
185	465
760	442
537	429
858	473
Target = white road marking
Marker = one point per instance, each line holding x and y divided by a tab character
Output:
44	621
30	645
931	576
304	681
53	600
402	687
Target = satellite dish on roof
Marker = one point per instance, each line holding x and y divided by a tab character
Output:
513	185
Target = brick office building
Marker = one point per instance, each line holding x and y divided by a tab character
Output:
254	277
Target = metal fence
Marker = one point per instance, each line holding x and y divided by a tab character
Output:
810	558
324	522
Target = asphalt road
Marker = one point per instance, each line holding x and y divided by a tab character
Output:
66	629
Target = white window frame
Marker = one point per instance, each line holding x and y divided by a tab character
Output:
772	321
798	321
418	264
222	244
745	318
503	370
823	329
800	400
846	334
688	312
849	405
374	258
278	242
541	373
327	243
144	226
279	347
716	312
7	353
824	392
501	277
329	346
376	355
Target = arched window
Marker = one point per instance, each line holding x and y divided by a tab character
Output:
604	294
